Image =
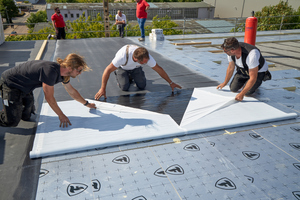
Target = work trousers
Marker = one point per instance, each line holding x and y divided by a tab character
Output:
125	77
121	29
240	79
61	33
16	106
141	22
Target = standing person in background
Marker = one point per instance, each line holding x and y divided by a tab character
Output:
120	22
141	13
59	24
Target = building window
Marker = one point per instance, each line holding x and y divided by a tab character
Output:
66	15
191	13
77	15
72	15
176	12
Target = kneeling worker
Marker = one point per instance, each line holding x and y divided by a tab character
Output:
17	84
251	67
127	66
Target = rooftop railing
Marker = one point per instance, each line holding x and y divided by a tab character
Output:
184	26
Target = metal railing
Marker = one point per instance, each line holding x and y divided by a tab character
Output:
186	26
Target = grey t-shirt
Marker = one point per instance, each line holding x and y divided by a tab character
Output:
30	75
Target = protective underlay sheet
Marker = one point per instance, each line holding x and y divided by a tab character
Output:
111	124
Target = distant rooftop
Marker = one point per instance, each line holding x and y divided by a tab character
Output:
164	5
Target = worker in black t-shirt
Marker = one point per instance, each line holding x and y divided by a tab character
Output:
17	84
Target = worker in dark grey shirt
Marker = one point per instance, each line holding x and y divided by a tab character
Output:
17	84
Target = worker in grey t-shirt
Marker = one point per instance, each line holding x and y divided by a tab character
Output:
17	84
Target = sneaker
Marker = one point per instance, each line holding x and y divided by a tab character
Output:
49	36
141	39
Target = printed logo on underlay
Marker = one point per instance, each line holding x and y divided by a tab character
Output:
290	106
255	136
43	172
139	198
191	147
295	145
172	170
123	159
96	185
251	155
289	98
175	170
295	128
249	178
160	173
225	184
76	188
212	144
297	194
297	165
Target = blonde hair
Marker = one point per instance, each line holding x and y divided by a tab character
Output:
73	61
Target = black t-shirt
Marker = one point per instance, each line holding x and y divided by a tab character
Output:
30	75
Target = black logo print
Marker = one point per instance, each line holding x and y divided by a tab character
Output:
139	198
297	194
160	173
251	155
249	178
96	185
123	159
255	136
212	144
295	146
43	172
172	170
286	97
290	106
225	184
76	188
191	147
175	170
297	165
295	128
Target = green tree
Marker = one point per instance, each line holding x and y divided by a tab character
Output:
271	18
8	10
87	28
166	24
40	16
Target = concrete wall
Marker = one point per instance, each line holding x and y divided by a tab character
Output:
1	31
234	8
206	13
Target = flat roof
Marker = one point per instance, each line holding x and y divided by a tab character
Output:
197	166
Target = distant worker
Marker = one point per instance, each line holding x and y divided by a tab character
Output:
17	84
59	24
141	13
251	67
127	66
120	22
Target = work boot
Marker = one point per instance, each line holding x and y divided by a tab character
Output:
141	39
